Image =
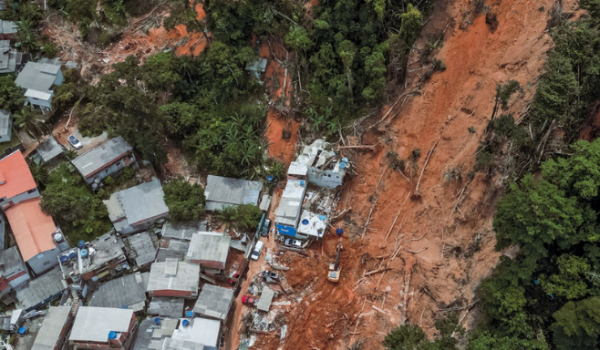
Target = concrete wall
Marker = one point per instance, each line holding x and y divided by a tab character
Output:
111	169
43	104
6	138
44	261
174	293
327	178
4	203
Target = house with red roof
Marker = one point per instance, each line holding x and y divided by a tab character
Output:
38	238
16	181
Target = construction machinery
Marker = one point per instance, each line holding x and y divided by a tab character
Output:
335	268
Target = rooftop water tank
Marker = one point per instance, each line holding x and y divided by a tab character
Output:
269	178
81	244
83	253
58	237
112	335
157	321
22	331
345	160
185	323
72	255
323	217
304	222
189	314
343	165
339	231
64	259
301	183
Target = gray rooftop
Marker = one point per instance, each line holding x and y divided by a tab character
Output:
214	302
140	248
266	297
97	158
52	326
4	122
128	292
166	307
104	249
290	205
8	27
151	336
200	331
138	203
179	344
225	191
182	230
38	76
94	323
10	259
174	275
49	149
172	249
210	246
9	58
41	289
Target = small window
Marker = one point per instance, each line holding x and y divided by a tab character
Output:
46	263
118	163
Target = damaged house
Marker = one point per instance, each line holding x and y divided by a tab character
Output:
319	165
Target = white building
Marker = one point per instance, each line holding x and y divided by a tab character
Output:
37	79
319	165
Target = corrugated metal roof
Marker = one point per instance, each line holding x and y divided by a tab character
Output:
5	117
97	158
40	289
94	323
266	297
138	203
151	336
178	344
140	248
166	307
223	191
200	331
52	326
49	149
17	177
172	249
33	77
214	302
182	230
210	246
290	205
32	228
128	291
187	276
8	27
10	259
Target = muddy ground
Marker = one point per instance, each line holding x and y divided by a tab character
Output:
428	229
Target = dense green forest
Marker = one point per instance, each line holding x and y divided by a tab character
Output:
216	111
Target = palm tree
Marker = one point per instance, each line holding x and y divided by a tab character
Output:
39	172
227	215
27	35
30	122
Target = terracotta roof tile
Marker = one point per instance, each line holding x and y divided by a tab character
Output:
32	227
15	171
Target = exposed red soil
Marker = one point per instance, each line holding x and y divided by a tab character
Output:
448	241
135	41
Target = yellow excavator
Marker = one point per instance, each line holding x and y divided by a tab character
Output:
335	268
